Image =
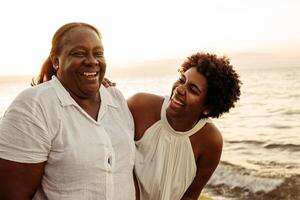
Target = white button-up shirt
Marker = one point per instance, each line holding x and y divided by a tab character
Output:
85	159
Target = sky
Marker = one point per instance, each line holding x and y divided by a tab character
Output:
137	30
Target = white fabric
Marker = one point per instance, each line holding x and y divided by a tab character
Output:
164	164
86	159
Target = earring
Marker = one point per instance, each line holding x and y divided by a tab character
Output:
205	113
56	67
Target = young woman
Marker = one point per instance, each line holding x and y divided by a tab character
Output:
178	146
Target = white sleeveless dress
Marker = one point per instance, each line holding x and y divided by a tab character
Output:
164	164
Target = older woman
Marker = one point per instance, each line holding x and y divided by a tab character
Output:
67	137
178	146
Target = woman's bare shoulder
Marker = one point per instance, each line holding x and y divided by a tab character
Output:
209	139
145	109
212	133
142	101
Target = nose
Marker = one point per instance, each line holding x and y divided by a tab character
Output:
91	60
181	89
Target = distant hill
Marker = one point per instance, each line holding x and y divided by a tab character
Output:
255	60
241	60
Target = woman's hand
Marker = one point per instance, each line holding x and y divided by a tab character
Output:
107	83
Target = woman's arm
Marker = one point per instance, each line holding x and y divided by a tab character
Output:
145	109
19	181
25	143
207	162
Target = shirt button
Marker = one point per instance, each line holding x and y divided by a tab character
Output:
109	160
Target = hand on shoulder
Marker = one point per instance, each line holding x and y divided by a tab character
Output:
107	83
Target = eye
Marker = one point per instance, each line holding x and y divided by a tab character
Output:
99	54
78	53
193	90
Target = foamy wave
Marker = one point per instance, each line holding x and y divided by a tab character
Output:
234	176
288	190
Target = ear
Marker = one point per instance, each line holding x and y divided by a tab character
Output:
55	62
206	111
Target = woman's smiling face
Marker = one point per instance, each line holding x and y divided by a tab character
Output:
188	96
81	63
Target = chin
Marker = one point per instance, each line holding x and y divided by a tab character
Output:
92	89
172	112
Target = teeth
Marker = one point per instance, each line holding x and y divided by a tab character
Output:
89	73
178	102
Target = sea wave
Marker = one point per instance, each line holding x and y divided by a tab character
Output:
236	182
266	145
291	112
234	176
291	147
277	126
255	142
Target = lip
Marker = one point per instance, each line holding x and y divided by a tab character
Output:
177	101
89	73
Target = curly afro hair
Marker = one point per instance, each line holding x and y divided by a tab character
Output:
223	82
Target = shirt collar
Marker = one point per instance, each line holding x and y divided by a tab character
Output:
107	98
66	99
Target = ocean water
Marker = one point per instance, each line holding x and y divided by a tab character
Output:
261	153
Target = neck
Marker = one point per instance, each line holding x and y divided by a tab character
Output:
86	100
90	105
181	124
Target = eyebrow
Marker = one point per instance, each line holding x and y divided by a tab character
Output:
83	47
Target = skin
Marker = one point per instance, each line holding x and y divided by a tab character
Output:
183	111
82	51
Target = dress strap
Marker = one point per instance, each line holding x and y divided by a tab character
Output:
164	107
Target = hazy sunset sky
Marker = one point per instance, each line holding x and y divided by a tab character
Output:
135	30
